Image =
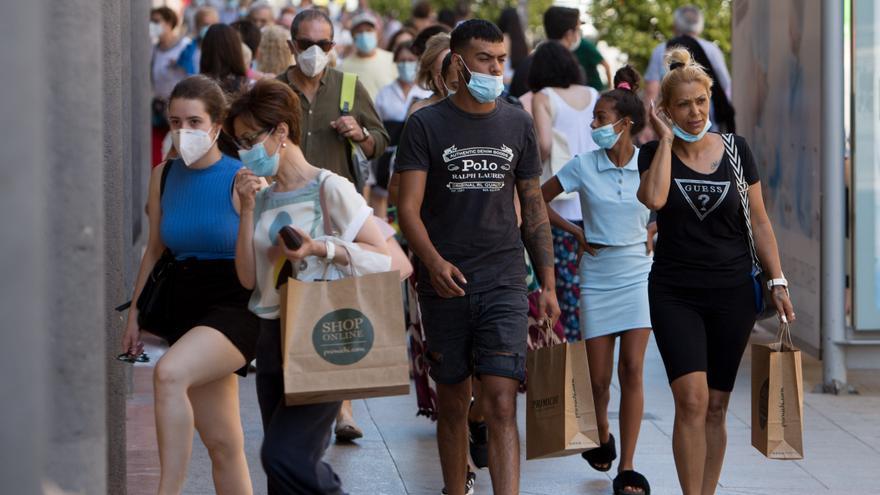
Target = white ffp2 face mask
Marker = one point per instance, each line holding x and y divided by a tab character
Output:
192	144
312	61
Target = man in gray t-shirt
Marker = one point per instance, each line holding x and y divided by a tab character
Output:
460	162
688	20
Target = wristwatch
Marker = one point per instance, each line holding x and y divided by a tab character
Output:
775	282
366	134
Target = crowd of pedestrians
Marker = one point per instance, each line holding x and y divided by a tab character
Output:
526	191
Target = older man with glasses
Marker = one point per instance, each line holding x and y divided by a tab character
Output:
333	137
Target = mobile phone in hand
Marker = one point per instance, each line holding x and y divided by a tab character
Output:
291	238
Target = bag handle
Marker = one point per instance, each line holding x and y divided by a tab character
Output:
549	336
783	337
743	188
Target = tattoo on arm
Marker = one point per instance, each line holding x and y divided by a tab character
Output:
535	223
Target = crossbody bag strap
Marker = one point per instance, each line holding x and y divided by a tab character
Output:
742	188
325	212
328	224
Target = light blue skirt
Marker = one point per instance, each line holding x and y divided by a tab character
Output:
614	290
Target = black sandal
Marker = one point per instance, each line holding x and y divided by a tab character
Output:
632	479
605	453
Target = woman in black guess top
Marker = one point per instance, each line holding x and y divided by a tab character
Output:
700	288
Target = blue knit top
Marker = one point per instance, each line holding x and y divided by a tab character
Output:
198	218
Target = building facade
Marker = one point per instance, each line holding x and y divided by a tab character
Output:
75	152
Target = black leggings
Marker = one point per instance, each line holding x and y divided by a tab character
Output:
702	329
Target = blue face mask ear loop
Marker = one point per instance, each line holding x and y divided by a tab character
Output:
280	145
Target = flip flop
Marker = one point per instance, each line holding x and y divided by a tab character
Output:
346	432
605	453
632	479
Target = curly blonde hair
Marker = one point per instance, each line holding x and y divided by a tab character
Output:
434	48
681	69
274	55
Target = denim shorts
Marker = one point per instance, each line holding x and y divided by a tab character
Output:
477	334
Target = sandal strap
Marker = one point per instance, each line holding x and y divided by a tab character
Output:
633	479
605	453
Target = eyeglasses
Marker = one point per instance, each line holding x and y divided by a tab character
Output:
325	45
247	141
132	358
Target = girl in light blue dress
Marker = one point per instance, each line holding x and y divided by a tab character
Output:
614	271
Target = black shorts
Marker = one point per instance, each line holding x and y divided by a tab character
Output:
702	329
477	334
208	293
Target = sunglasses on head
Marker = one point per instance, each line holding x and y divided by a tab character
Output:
325	45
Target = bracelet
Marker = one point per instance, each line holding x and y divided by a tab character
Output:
331	251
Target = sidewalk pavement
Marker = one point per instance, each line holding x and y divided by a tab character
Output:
398	454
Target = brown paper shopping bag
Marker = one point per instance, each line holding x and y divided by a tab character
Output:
560	415
344	339
777	398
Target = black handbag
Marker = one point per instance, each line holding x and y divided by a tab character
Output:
152	304
764	306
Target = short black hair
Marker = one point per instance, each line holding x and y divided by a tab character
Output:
250	34
474	29
553	66
560	20
446	17
418	44
422	10
309	15
166	14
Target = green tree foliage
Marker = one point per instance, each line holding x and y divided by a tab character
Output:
637	26
485	9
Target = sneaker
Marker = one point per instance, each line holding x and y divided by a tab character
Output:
468	484
478	441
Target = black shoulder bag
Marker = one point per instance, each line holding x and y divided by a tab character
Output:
152	304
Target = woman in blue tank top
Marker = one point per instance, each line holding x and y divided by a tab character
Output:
194	214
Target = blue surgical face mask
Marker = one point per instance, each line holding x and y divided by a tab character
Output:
258	161
690	138
365	41
406	71
203	32
483	87
605	137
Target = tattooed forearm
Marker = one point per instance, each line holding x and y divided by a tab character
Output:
535	223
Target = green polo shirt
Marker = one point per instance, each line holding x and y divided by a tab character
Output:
322	145
589	57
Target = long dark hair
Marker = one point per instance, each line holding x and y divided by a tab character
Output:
553	66
510	24
222	58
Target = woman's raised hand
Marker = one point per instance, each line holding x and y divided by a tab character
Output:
659	123
246	185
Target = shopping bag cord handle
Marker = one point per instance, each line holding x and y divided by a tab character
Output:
783	336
